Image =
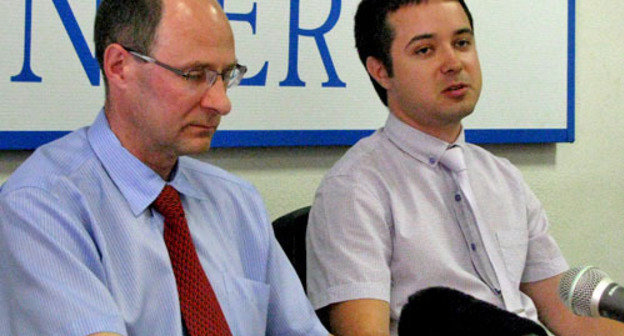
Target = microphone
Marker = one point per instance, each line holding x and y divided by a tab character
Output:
588	291
442	311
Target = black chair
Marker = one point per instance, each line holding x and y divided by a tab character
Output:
290	231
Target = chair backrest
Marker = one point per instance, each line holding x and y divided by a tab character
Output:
290	231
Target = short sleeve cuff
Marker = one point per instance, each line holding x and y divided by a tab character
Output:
541	271
111	324
353	291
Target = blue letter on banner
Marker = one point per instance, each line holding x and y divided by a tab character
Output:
292	79
260	78
26	75
89	63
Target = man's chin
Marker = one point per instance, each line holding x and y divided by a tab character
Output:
458	114
195	147
464	113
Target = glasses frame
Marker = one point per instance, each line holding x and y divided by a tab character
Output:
211	75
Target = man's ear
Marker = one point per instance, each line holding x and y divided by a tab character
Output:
378	71
116	65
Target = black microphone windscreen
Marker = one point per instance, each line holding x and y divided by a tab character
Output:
443	311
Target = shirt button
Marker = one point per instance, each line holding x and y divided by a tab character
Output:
457	197
431	160
498	291
473	246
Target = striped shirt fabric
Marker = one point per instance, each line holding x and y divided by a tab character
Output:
82	250
386	222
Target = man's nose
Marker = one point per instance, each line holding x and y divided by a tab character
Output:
216	98
451	62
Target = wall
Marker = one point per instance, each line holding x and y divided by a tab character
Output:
579	184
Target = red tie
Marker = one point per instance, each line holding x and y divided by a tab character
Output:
200	309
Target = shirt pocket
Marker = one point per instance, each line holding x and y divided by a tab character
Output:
250	301
513	244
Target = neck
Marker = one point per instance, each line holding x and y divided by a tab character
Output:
160	163
160	160
448	132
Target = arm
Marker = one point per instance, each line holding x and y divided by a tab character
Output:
539	284
559	319
50	269
289	311
363	317
349	247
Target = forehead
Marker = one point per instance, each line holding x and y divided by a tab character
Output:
428	17
188	27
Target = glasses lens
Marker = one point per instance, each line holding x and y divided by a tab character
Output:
211	76
235	76
231	78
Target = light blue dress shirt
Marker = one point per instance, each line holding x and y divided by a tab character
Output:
82	251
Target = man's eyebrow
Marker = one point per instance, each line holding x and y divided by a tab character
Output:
203	65
430	36
464	31
418	38
198	65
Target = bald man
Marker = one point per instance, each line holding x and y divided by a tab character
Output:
88	242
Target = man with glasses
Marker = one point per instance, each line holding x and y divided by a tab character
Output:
112	230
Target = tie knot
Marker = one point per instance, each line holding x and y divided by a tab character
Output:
168	203
453	159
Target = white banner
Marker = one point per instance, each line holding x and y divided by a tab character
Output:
302	61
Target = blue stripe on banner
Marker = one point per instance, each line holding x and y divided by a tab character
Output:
571	68
505	136
32	140
288	138
26	139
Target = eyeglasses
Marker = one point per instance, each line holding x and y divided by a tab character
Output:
232	76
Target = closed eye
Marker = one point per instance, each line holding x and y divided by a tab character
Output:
463	43
423	51
196	75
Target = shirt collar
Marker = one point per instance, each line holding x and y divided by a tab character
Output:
138	183
182	183
422	146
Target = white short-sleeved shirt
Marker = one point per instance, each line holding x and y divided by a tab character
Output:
383	225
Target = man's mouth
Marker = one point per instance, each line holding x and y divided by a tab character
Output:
204	127
455	87
456	91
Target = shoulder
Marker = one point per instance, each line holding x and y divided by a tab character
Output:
203	171
497	173
222	187
364	176
363	158
490	162
57	162
369	167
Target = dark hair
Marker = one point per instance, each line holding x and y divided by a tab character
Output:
131	23
374	36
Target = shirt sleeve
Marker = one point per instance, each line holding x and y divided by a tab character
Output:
290	312
544	258
348	243
51	280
